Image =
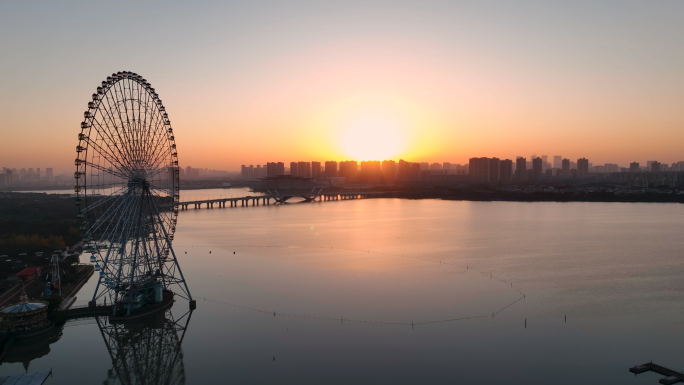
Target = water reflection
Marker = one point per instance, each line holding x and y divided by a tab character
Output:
148	352
25	350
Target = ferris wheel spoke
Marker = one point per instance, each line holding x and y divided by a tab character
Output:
115	195
103	186
109	171
106	153
108	214
110	141
119	130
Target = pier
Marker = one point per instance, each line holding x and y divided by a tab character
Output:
672	377
278	197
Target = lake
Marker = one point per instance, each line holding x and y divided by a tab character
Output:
399	291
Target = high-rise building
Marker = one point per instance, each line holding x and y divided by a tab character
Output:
582	168
404	171
435	166
537	167
634	167
565	168
304	169
49	173
274	169
294	169
349	169
494	170
610	167
316	170
557	161
479	170
520	168
655	166
416	168
330	169
506	171
545	162
389	171
371	172
246	172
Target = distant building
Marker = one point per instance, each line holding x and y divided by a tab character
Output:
294	169
565	168
330	169
49	173
537	167
349	169
494	170
415	171
610	167
506	171
316	170
557	161
655	166
274	169
582	168
520	168
304	169
389	171
193	173
479	170
371	172
246	172
545	162
404	171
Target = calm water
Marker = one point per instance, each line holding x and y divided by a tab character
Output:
347	280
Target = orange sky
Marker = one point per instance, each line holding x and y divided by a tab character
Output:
298	81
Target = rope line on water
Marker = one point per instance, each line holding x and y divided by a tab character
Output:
341	319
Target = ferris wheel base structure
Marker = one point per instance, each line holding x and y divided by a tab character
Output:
127	193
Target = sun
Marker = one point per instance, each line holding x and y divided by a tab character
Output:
372	137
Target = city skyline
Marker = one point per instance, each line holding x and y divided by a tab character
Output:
553	161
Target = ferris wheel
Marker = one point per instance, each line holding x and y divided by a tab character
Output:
127	191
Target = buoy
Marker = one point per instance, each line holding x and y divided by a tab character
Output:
209	251
233	252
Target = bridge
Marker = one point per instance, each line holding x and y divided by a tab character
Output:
312	195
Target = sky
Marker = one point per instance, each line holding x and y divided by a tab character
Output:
248	82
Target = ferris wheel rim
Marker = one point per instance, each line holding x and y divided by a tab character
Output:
106	93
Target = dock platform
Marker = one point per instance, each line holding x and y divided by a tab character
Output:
26	378
672	377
